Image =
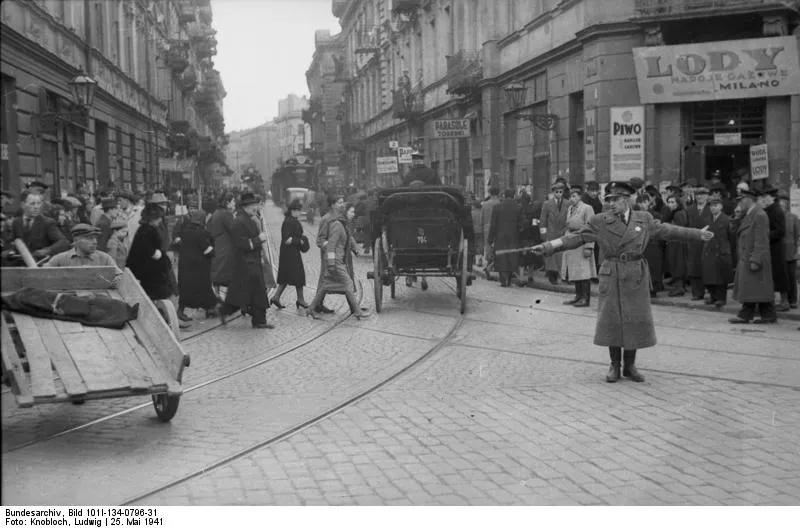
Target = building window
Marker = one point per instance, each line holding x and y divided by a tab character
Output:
99	24
134	174
733	116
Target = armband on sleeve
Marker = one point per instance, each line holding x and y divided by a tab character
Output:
555	244
331	255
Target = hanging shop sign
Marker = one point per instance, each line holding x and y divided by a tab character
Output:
451	129
627	142
728	138
759	162
730	69
404	155
176	165
387	164
589	144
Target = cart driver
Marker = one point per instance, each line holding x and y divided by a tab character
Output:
420	172
85	252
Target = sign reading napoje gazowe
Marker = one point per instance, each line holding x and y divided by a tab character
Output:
730	69
627	142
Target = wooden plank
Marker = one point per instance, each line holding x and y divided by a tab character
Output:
125	359
73	278
41	371
159	378
151	328
94	364
68	327
20	381
62	361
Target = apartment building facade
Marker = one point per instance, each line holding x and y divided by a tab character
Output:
156	118
546	88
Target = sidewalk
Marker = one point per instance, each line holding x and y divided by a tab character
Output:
540	282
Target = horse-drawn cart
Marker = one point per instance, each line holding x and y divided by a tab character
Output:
421	231
47	360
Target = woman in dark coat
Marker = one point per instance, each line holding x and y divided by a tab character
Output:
146	258
654	252
290	263
717	258
221	228
528	236
677	250
504	234
194	265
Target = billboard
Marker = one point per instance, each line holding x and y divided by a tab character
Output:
627	142
387	164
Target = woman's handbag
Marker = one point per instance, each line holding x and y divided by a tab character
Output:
304	245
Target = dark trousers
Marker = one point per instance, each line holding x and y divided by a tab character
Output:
792	281
718	292
766	309
698	290
259	315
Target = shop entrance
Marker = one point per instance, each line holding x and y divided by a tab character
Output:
729	160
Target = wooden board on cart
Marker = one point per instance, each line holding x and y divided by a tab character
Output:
57	361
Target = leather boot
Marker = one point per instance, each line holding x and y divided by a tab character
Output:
577	294
630	371
616	358
784	304
585	289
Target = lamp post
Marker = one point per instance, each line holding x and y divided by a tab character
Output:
515	98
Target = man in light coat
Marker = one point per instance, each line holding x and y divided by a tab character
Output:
753	283
553	224
577	265
624	314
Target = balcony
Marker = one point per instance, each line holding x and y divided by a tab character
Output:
200	34
338	7
700	8
407	105
368	39
206	48
188	81
406	7
464	72
206	15
177	56
186	13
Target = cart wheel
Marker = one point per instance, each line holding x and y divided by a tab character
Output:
392	289
167	311
377	266
462	280
166	406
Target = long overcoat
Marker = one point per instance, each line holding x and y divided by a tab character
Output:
247	286
677	251
194	265
486	217
221	228
574	266
698	219
155	276
718	253
752	242
554	219
777	230
290	262
338	278
476	221
504	234
654	253
624	317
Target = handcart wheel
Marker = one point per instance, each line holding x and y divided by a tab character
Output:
462	280
167	311
166	405
377	266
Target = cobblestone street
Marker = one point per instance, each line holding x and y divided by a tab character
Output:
507	405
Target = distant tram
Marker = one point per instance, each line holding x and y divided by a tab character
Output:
297	172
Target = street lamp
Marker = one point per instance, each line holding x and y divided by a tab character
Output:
515	98
82	88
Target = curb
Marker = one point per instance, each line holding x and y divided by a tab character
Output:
540	282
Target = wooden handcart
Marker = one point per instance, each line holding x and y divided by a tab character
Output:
51	361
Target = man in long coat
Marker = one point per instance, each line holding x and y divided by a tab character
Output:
718	255
699	216
553	224
486	221
577	265
248	289
777	231
753	284
504	234
221	228
624	319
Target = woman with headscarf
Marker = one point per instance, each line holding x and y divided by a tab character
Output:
338	262
194	265
147	259
290	263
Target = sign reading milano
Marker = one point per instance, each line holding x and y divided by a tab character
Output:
730	69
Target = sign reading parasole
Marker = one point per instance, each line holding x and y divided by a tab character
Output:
451	128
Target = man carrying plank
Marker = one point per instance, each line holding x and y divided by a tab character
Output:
84	252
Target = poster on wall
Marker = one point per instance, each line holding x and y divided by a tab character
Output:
759	162
627	142
387	164
589	144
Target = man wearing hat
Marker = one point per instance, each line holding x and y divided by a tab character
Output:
553	224
39	233
624	320
791	243
777	231
577	265
248	290
110	213
752	284
84	252
699	216
719	192
420	172
717	256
